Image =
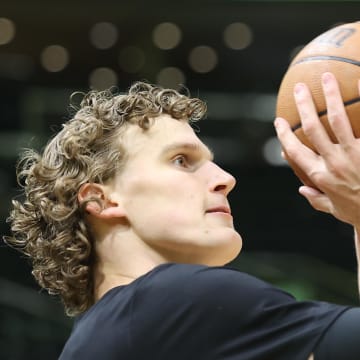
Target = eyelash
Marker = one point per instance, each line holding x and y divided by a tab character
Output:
183	158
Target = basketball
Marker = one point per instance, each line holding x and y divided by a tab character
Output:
338	51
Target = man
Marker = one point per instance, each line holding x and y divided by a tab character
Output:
126	218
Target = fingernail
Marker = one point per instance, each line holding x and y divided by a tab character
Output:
299	88
278	122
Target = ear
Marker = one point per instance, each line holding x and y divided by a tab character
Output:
98	201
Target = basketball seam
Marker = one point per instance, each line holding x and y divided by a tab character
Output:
324	112
327	57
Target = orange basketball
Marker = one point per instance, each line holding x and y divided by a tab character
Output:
337	51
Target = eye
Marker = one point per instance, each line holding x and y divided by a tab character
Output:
181	161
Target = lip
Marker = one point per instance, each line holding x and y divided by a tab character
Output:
219	209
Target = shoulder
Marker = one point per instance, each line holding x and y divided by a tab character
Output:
195	274
206	285
219	306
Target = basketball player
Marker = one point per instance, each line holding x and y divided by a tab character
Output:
126	218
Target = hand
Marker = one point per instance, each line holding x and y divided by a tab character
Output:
335	168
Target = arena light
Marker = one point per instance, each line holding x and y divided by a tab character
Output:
54	58
103	35
238	36
272	152
102	78
203	59
171	77
7	31
166	36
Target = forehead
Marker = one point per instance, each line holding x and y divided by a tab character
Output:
165	134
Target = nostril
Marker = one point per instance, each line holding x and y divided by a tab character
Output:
220	187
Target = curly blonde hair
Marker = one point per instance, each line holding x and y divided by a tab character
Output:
48	225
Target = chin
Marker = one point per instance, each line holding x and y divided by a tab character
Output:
225	252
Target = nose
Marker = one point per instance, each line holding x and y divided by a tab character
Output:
221	181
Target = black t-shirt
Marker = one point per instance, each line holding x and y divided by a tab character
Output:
185	312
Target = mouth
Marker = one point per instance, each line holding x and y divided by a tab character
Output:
220	209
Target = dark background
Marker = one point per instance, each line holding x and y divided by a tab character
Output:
285	241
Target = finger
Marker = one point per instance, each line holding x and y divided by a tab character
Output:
318	200
293	148
286	136
336	113
310	121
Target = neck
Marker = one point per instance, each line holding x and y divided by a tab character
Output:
104	283
121	261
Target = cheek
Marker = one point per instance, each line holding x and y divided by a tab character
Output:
162	224
168	197
163	193
166	211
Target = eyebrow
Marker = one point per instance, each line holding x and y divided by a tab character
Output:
189	146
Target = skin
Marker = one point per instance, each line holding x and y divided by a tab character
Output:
334	169
168	204
170	201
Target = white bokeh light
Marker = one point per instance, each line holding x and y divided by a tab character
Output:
166	36
203	59
102	78
238	36
7	31
171	77
54	58
103	35
272	152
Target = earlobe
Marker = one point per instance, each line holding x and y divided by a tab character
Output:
111	212
98	203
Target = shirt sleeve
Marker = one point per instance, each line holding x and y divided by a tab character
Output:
341	340
220	313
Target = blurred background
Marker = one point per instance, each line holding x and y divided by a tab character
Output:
230	53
